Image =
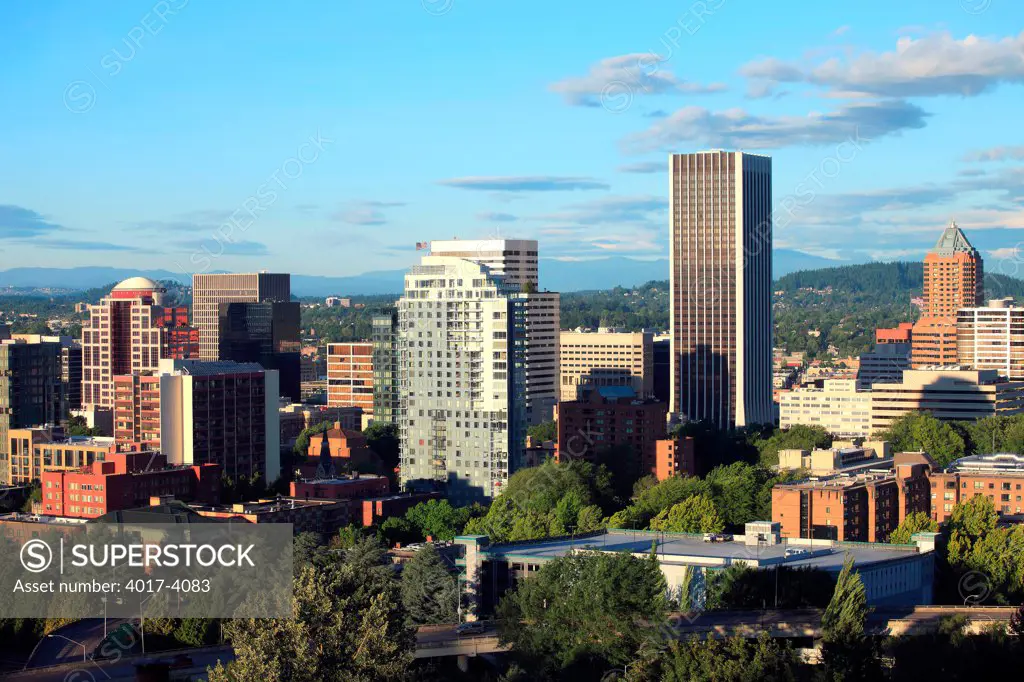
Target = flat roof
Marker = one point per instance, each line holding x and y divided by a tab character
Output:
691	549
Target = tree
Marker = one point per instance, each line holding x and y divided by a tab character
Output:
797	437
696	514
348	624
847	652
730	660
544	431
914	522
77	426
382	438
195	632
301	448
439	520
429	591
970	521
742	587
583	613
921	431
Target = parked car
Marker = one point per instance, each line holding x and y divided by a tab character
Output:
795	552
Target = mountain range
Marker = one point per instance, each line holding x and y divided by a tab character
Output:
555	275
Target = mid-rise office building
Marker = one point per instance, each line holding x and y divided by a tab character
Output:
999	477
461	342
862	504
222	413
607	417
350	374
40	449
31	394
597	359
516	262
266	333
839	408
953	279
885	364
992	338
720	235
949	393
210	290
386	402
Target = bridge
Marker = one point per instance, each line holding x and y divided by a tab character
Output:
436	641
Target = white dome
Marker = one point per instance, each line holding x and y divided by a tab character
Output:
137	283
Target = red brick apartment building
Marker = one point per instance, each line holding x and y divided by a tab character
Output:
137	410
675	457
999	477
603	418
326	517
341	488
350	375
125	480
860	504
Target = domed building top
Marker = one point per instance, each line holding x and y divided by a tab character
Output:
138	284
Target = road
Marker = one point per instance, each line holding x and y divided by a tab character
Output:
120	670
56	650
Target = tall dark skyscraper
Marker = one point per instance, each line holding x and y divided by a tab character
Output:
721	277
267	333
209	291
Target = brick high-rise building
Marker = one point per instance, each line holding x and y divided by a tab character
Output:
222	413
720	235
953	279
137	410
210	290
350	374
611	416
130	331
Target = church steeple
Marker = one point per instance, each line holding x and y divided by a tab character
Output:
325	468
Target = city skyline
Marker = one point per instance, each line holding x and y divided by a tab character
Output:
858	111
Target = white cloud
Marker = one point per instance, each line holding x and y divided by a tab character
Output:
635	74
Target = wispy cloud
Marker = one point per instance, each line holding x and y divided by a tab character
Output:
17	221
639	74
365	212
737	128
644	167
236	247
496	217
936	64
534	183
1007	153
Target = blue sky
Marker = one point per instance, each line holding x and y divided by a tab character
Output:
328	137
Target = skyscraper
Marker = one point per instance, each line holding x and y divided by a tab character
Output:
31	394
127	331
517	262
953	279
268	333
209	291
386	394
461	338
721	276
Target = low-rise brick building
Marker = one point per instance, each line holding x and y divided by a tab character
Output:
1000	477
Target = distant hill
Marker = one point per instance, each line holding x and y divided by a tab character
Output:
555	276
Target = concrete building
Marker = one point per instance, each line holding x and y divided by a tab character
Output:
350	375
517	262
953	279
827	461
223	413
865	503
720	236
461	341
31	394
40	449
607	417
992	338
1000	477
893	575
210	290
839	408
124	480
606	359
885	364
948	393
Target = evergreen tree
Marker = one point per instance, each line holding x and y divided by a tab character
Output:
847	652
429	591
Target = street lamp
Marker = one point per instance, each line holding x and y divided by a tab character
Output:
84	657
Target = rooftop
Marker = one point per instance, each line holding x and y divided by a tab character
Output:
693	550
998	464
39	518
138	284
953	241
201	368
